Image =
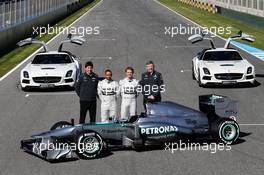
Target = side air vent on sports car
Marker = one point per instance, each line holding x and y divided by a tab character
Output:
47	79
229	76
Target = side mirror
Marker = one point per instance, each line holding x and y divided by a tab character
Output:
69	36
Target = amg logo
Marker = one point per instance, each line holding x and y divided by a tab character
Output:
159	130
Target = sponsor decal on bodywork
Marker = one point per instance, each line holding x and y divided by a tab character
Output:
158	130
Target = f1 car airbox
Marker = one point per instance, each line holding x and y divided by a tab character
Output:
218	106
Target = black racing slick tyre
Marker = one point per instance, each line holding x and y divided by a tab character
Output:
89	145
225	130
60	125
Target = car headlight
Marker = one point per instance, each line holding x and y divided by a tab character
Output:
249	70
25	74
69	73
206	71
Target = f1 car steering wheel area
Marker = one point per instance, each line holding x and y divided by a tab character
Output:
60	124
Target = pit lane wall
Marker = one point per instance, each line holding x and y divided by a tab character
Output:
201	5
14	27
251	13
252	7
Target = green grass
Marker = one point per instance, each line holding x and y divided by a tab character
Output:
208	20
13	58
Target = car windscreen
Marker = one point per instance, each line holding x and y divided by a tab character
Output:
222	56
52	59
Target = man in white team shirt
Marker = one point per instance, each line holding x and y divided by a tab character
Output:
128	88
108	91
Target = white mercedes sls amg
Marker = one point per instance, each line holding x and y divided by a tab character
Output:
221	65
50	69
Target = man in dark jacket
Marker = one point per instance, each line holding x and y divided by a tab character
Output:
152	84
86	89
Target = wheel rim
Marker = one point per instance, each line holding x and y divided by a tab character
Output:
91	144
229	132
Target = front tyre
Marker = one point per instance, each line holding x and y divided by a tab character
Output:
225	130
26	89
199	80
193	76
89	145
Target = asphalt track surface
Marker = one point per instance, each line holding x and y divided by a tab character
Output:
132	32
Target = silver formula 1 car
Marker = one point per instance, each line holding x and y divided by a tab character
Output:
162	122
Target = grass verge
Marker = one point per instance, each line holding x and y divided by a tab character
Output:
13	58
208	20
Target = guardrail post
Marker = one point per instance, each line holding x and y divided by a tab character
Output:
9	12
24	9
20	11
3	15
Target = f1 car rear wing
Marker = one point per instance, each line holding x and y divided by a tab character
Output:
218	106
240	35
32	41
72	39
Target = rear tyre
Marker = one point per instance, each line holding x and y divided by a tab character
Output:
59	125
254	83
225	130
89	145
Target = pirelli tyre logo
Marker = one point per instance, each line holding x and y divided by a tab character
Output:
158	130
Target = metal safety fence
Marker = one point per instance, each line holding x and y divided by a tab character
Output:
13	12
254	7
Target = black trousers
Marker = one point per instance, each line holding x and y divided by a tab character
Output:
146	100
84	107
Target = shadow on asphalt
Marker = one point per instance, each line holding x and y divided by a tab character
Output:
56	89
235	86
241	138
260	75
